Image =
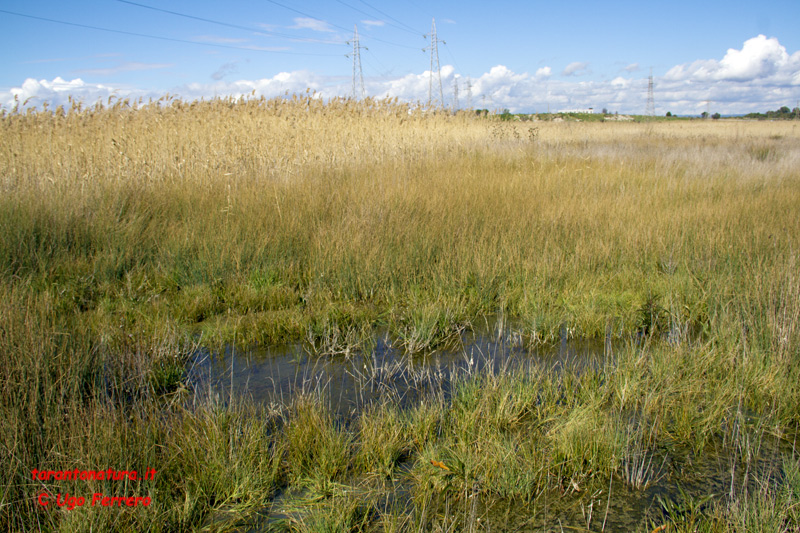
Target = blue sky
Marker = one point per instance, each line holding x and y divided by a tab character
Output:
731	57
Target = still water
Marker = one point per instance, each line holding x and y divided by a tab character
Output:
272	375
275	373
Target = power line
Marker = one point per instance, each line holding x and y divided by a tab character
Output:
370	15
412	30
306	14
381	70
334	25
229	25
161	38
420	8
451	56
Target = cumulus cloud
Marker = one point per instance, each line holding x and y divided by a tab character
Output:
576	68
278	85
57	92
411	87
633	67
760	59
503	86
620	82
760	76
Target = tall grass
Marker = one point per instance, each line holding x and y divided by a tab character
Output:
131	233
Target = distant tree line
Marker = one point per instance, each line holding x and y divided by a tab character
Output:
783	113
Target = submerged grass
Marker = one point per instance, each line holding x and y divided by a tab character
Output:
134	233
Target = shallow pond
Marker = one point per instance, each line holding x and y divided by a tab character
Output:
274	374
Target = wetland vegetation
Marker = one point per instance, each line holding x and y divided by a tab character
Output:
136	236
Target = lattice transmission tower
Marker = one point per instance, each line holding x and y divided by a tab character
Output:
469	93
434	48
358	74
455	94
651	101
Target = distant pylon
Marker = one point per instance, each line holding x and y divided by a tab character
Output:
455	94
469	93
358	74
435	66
651	101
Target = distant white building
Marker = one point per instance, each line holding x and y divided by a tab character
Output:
588	110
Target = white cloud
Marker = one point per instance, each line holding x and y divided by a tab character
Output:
633	67
373	22
576	68
306	23
278	85
760	59
759	77
57	92
501	87
620	82
411	87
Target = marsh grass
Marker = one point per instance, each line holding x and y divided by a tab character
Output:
639	465
132	233
318	450
384	439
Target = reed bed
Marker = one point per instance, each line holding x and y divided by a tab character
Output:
133	233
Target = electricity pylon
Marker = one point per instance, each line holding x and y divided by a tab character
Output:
651	101
434	47
358	74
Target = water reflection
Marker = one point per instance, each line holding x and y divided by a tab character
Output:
275	373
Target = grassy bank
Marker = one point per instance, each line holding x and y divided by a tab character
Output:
130	236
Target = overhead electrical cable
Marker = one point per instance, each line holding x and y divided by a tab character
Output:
307	15
229	25
334	25
161	38
371	15
455	63
420	9
382	71
412	30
